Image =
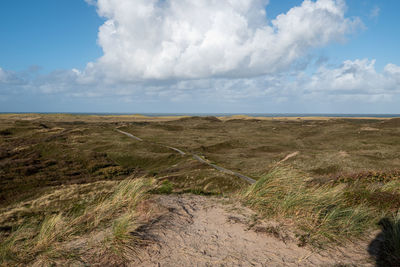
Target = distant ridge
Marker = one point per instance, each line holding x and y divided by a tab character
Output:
327	115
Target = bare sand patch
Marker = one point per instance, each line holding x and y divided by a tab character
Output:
316	118
369	129
204	231
291	155
343	154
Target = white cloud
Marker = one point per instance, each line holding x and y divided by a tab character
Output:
355	85
185	39
6	76
392	69
11	78
2	75
358	77
91	2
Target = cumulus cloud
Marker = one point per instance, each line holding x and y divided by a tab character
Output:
208	51
185	39
356	77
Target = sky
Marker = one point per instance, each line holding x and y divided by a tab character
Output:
203	56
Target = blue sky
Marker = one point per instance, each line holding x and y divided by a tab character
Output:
50	34
327	56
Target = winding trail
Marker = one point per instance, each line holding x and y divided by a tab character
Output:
192	230
244	177
198	158
130	135
177	150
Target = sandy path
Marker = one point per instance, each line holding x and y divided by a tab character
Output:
198	158
203	231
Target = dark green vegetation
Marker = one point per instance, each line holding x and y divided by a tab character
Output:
343	180
37	155
327	147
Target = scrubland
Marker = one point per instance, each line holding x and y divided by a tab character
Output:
69	179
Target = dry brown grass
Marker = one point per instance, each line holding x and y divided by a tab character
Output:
320	213
112	216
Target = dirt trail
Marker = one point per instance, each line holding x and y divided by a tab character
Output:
130	135
200	159
191	230
204	231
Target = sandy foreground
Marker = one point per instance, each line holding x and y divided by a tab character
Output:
195	230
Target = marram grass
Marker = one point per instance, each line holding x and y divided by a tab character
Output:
32	241
321	213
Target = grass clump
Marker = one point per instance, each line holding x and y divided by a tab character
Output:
122	226
46	240
322	213
166	187
49	232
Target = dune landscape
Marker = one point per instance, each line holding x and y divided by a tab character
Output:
203	133
83	189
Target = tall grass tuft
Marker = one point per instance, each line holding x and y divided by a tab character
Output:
126	195
50	230
115	210
322	213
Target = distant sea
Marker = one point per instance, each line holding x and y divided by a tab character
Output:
227	114
274	115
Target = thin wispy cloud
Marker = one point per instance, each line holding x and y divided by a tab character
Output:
375	11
